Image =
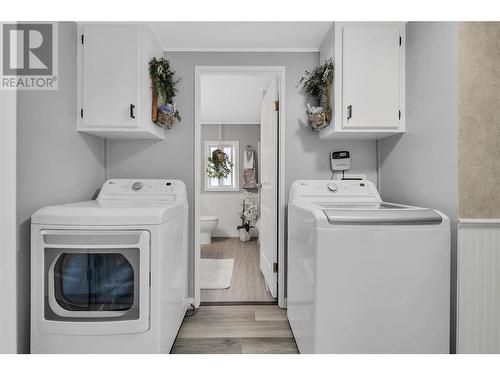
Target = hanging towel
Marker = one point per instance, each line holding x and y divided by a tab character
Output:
249	168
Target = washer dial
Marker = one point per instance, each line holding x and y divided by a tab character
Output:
136	186
332	187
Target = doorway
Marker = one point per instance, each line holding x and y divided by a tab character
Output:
239	185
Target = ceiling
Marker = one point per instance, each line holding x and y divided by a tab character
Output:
232	98
240	36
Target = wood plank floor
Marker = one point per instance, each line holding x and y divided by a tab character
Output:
247	283
243	329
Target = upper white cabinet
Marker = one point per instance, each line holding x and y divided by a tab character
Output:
115	97
369	81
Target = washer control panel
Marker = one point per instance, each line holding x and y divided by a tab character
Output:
351	188
334	191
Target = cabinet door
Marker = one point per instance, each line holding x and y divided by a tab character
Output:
371	76
110	76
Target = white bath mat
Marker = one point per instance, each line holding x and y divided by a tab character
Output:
216	273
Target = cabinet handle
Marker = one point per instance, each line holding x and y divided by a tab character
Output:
349	111
132	107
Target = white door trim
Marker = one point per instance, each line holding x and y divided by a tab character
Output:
280	71
8	221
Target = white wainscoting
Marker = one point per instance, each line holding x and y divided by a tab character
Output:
227	208
478	295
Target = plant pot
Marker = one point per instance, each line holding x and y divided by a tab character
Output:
165	119
319	120
154	103
245	235
218	155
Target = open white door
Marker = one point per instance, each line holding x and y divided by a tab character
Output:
269	193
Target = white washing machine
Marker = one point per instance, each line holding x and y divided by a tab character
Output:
110	275
366	276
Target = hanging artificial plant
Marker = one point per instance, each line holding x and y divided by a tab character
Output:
219	166
164	88
317	85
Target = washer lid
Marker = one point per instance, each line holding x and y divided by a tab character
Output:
379	214
103	213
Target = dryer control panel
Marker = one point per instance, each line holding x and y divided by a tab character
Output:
337	191
126	189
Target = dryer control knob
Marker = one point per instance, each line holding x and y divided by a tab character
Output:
137	186
332	187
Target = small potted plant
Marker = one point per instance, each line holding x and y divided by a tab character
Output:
164	89
248	217
317	84
219	166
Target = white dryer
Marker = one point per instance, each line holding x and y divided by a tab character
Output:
366	276
110	275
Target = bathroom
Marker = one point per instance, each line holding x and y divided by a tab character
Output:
230	202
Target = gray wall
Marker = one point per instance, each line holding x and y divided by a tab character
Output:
306	156
55	164
247	134
421	166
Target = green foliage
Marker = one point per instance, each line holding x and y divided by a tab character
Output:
315	83
162	77
217	168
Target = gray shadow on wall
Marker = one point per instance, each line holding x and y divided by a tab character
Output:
311	143
123	151
389	145
89	141
24	281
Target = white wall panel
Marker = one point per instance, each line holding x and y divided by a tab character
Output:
478	286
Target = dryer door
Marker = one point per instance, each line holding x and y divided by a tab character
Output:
97	280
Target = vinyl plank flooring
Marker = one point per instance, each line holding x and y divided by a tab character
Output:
211	314
224	345
269	345
236	329
247	283
270	315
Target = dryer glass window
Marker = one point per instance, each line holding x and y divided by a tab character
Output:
94	282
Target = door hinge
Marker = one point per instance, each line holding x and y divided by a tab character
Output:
150	279
399	114
276	105
275	267
81	113
400	41
82	38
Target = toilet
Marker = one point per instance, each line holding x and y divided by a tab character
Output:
207	225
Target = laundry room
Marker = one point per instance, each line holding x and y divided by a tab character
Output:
293	187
